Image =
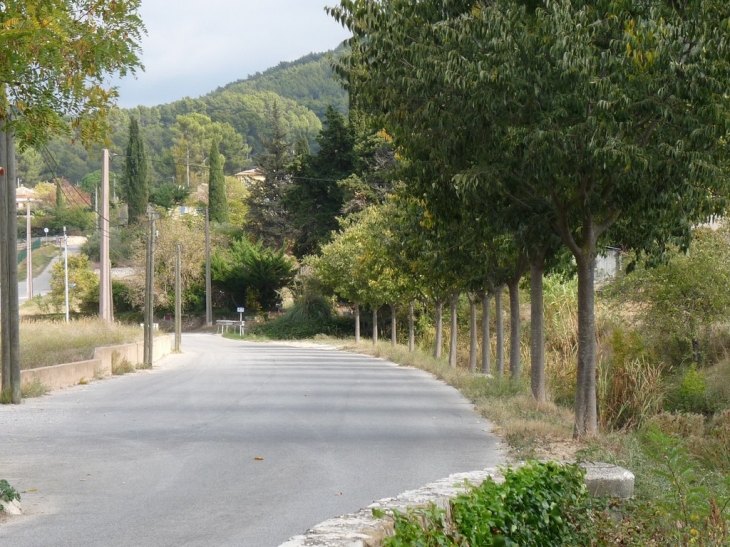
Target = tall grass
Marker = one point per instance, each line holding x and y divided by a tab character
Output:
51	343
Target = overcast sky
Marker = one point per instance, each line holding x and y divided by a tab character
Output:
194	46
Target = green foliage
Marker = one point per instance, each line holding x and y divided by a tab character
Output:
134	181
168	195
82	283
538	504
217	202
309	316
314	199
690	394
83	47
267	220
251	273
7	493
689	513
681	299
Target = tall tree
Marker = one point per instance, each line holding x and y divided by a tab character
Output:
55	62
611	110
217	200
267	219
315	198
134	180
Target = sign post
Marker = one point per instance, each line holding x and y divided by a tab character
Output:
240	320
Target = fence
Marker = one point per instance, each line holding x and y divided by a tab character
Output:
35	244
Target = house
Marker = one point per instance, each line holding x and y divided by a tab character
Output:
251	175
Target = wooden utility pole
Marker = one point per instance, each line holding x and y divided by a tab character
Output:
149	308
9	309
29	252
105	286
178	298
208	288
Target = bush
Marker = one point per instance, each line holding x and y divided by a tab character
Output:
690	394
7	493
538	504
309	316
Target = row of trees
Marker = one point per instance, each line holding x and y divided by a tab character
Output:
526	128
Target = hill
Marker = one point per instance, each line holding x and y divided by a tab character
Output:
178	134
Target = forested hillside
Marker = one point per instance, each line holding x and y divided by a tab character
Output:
178	135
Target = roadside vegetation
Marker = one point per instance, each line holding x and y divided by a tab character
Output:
46	343
662	384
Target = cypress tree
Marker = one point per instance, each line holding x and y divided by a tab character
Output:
217	201
267	219
134	181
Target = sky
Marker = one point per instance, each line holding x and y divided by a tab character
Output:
193	47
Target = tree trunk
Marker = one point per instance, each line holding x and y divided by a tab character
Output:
472	332
514	330
486	338
439	329
375	326
357	323
393	326
454	326
500	330
537	330
411	329
9	314
586	413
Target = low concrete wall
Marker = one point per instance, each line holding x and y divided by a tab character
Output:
362	529
71	374
60	376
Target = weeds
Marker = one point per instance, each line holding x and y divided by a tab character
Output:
35	388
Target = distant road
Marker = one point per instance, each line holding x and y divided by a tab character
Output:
42	282
230	444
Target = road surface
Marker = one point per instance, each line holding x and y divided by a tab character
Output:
230	444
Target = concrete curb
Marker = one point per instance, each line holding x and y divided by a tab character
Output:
361	529
11	507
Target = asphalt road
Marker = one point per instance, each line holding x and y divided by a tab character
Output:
171	457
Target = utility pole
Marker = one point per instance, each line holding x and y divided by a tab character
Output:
208	288
187	163
149	308
105	288
29	251
178	298
65	269
9	309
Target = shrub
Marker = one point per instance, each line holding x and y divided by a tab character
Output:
7	493
690	394
309	316
538	504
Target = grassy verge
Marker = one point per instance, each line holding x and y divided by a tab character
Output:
41	259
51	343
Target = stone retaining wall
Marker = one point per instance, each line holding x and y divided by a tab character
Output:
361	529
71	374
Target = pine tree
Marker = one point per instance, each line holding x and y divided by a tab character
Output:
134	180
267	219
217	201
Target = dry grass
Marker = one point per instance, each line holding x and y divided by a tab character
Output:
532	430
51	343
41	258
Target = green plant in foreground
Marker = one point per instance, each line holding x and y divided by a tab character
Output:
7	493
692	513
538	504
